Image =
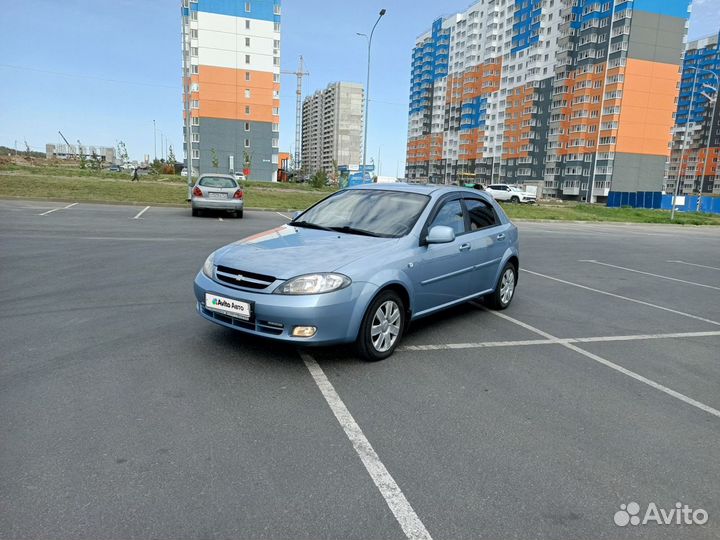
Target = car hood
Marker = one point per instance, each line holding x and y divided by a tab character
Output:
287	251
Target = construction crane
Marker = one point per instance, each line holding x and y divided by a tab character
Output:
66	141
300	73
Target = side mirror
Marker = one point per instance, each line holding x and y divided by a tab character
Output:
440	234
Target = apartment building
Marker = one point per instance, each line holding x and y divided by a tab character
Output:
332	127
579	94
231	85
696	136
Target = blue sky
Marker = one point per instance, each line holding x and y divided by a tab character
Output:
102	70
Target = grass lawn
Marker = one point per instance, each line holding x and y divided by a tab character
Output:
48	181
594	212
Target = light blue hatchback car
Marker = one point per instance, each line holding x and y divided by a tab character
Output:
361	264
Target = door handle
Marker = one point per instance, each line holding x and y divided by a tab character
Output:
464	247
500	236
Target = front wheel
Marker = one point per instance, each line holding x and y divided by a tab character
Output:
505	289
382	327
514	199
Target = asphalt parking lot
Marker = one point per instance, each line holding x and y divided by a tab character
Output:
125	415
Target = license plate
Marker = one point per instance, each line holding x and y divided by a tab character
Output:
212	195
228	306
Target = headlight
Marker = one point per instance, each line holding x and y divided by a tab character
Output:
314	284
209	266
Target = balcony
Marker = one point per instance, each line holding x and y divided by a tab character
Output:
571	190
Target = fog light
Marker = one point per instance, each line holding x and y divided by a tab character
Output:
304	331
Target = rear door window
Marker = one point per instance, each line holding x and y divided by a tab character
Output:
481	213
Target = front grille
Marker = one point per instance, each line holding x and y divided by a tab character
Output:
240	278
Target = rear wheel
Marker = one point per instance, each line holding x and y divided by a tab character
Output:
195	212
505	289
382	327
239	214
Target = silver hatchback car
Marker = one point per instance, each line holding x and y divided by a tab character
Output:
217	192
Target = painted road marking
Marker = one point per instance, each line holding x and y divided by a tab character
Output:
611	365
530	342
139	215
220	219
592	261
606	293
693	264
56	209
283	215
394	497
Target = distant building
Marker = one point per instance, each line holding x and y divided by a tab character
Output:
64	151
332	127
577	94
698	171
231	54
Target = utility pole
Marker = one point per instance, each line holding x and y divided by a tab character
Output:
154	141
300	73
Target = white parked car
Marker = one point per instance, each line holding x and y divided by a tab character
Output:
240	177
505	192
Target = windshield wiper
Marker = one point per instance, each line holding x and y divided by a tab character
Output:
309	225
353	230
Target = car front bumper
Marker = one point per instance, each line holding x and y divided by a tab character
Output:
203	203
336	315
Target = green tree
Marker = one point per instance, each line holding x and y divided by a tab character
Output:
122	153
214	158
171	156
319	179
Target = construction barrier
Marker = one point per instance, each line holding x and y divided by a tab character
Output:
659	201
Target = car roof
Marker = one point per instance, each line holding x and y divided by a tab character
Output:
216	175
423	189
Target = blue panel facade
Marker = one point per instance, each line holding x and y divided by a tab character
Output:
526	27
706	58
670	8
429	63
263	10
472	114
656	200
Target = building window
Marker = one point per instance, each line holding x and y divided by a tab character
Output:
247	75
195	104
194	69
275	143
276	9
247	58
196	137
196	154
247	41
247	93
193	51
276	78
276	26
193	15
193	33
276	43
276	111
276	60
247	24
276	127
247	109
247	143
247	126
195	121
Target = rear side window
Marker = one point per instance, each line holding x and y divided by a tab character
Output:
482	214
450	215
217	182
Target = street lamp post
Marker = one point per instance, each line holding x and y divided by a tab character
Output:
367	89
154	140
710	128
682	152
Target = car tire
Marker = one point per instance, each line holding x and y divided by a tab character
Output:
514	199
195	212
505	290
239	214
387	306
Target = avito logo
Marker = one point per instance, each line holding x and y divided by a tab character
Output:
682	514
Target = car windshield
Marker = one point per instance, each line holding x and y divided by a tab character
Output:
217	182
389	214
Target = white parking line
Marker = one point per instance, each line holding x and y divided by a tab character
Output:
220	219
394	497
530	342
606	293
611	365
56	209
693	264
592	261
139	215
283	215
